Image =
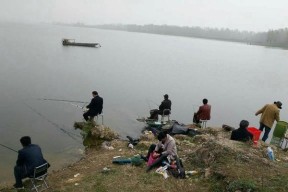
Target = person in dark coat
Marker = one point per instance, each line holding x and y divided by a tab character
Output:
29	157
242	134
165	104
95	106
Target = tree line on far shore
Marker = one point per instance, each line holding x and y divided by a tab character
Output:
277	38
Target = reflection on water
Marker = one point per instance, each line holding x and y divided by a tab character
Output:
132	72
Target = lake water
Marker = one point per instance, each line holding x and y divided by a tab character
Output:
132	72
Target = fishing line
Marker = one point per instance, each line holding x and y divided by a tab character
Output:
45	99
148	104
54	124
153	102
8	148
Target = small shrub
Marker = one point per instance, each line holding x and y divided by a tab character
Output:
242	185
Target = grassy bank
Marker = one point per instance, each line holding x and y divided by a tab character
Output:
222	165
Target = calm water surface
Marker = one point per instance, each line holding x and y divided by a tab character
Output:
132	72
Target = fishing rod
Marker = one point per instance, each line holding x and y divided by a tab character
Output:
45	99
148	104
78	106
8	148
154	102
54	124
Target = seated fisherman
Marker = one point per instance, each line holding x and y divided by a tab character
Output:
29	157
95	106
165	148
203	113
165	107
242	134
165	104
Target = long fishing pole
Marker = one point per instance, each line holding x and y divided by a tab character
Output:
8	148
148	104
45	99
54	124
154	102
77	106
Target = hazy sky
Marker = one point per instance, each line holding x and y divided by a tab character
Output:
255	15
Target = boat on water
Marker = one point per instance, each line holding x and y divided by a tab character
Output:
71	42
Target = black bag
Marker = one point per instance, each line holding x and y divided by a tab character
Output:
178	172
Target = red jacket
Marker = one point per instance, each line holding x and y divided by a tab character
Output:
204	112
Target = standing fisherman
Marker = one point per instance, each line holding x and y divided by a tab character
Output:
270	113
95	106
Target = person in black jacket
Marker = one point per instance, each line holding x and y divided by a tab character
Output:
165	104
95	107
29	157
242	134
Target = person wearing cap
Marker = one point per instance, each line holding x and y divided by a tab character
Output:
203	113
269	113
242	134
165	104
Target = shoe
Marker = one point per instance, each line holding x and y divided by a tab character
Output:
18	186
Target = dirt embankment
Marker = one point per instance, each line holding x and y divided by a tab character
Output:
221	165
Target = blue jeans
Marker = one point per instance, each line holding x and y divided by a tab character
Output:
266	133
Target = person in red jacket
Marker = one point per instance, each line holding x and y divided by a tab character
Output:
203	113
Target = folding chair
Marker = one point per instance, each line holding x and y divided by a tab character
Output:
102	118
95	122
166	113
38	179
203	123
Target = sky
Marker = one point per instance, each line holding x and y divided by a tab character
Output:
251	15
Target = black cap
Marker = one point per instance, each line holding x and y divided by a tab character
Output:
279	104
166	96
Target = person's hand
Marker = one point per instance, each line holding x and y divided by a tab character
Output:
156	155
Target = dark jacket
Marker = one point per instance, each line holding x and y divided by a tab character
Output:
95	106
241	134
166	104
30	157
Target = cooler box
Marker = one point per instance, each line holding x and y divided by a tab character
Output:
256	134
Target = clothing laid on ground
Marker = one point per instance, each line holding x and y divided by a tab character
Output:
95	107
241	134
28	158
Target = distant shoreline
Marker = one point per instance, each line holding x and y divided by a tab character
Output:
245	37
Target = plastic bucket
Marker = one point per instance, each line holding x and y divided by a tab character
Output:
256	134
280	129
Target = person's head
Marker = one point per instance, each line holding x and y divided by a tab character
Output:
25	141
205	101
94	93
279	104
162	136
244	124
166	96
